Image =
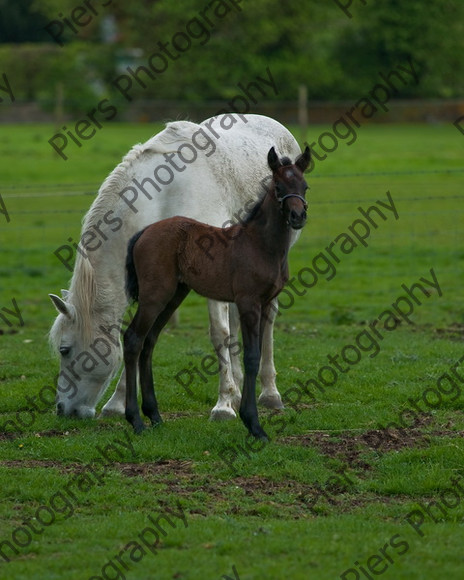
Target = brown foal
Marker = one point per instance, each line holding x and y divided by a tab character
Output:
166	260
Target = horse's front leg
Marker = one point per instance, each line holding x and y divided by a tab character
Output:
229	394
250	316
116	405
270	396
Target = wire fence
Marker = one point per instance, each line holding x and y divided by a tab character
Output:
427	234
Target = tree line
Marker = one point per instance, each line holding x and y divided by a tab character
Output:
336	48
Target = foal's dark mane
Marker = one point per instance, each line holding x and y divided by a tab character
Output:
266	188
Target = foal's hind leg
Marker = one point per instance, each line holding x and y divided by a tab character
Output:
134	338
149	402
270	396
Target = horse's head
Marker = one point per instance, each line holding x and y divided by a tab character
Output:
290	186
90	354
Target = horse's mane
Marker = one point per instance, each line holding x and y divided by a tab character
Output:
265	190
81	297
83	289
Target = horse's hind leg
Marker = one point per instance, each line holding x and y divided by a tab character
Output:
270	396
149	402
229	393
234	350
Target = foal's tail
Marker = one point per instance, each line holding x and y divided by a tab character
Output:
132	283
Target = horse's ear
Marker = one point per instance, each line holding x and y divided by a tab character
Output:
303	160
61	305
64	294
273	160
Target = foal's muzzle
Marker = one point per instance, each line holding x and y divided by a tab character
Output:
295	219
296	222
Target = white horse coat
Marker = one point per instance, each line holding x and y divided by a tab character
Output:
211	172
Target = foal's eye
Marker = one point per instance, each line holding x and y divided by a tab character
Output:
279	188
64	350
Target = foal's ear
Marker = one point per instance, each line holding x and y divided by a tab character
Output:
303	160
273	160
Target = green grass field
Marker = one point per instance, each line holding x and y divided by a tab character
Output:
334	495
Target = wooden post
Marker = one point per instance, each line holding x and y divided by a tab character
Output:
303	109
59	104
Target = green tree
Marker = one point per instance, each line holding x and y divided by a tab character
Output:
385	34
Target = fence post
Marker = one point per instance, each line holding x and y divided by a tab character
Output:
303	109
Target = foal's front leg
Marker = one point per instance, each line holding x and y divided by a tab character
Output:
250	316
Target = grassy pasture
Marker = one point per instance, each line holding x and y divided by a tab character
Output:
332	491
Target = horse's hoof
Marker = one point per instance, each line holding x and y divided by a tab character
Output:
111	412
225	414
271	402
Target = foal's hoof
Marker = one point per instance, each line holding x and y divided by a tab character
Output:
260	434
271	402
139	428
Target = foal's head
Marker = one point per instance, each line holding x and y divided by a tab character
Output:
290	186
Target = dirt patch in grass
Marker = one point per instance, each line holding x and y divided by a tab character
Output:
350	446
8	331
172	467
7	436
44	463
246	496
455	331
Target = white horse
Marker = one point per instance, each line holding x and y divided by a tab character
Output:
204	171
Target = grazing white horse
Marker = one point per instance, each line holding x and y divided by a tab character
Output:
212	172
